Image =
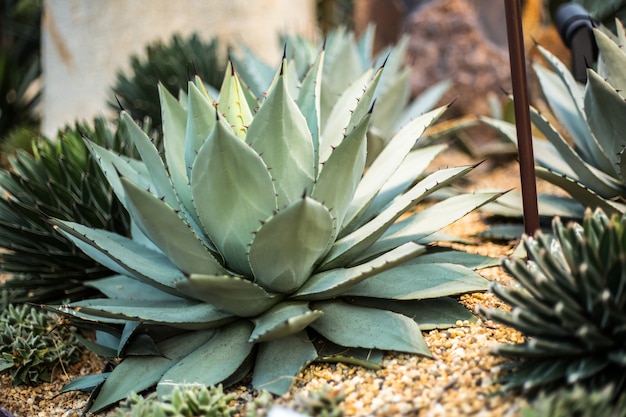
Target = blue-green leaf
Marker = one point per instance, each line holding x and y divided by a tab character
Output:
418	281
232	203
300	234
232	103
282	320
212	362
200	121
279	362
369	328
309	103
235	295
126	288
126	379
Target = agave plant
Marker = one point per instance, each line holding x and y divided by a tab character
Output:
570	305
59	178
261	245
347	61
577	401
587	161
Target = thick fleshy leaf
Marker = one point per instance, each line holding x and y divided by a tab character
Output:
181	313
169	232
212	362
436	313
200	121
87	383
235	295
423	103
232	103
428	221
613	59
418	281
126	288
393	96
351	246
279	133
279	361
347	161
231	205
256	73
332	283
299	235
369	328
126	379
123	255
282	320
389	160
605	109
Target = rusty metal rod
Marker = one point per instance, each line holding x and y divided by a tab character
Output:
522	115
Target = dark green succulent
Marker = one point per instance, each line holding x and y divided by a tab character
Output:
32	346
576	402
172	64
20	64
570	305
60	179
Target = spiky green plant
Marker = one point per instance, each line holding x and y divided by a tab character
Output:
32	346
570	305
260	243
193	401
587	160
61	179
576	402
171	64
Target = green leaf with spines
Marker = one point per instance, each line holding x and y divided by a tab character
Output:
232	103
201	119
282	320
302	233
279	133
124	287
244	193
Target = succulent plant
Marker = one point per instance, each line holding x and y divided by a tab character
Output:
190	401
260	243
570	305
587	160
32	346
170	64
58	179
576	402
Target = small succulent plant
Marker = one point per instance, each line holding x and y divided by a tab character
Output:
32	346
570	305
190	401
170	64
587	159
59	178
259	243
576	402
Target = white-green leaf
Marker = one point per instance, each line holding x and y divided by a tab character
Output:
418	281
279	361
309	104
369	328
613	59
212	362
201	119
233	193
279	133
351	246
125	379
332	283
235	295
392	97
126	288
287	247
282	320
169	232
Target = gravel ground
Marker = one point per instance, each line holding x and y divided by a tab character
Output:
460	379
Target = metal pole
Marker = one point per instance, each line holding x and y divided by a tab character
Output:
522	115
